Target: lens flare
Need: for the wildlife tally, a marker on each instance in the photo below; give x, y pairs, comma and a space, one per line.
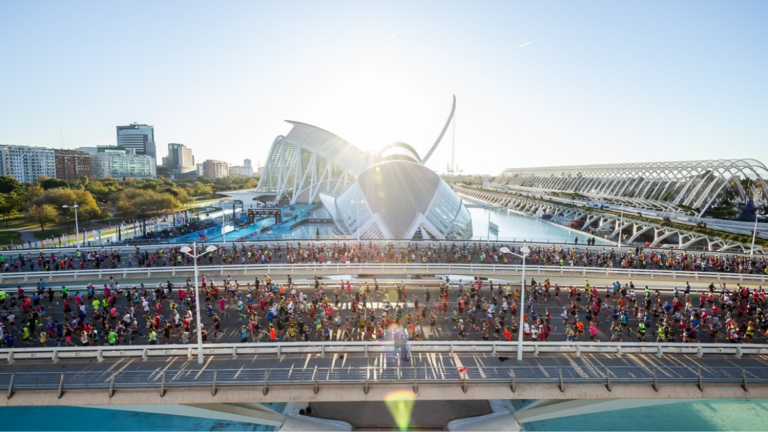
400, 405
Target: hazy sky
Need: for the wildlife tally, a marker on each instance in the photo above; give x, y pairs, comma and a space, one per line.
537, 83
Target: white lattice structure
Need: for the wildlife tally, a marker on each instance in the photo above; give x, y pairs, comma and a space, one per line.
653, 185
632, 231
307, 161
389, 194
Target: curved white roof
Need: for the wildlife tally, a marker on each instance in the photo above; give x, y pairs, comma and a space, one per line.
330, 146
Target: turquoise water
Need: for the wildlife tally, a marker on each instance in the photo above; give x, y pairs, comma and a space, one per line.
703, 415
514, 226
244, 232
95, 419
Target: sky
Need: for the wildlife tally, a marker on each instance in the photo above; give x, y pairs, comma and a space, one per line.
537, 83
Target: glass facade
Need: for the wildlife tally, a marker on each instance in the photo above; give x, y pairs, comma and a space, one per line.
462, 225
445, 205
390, 194
347, 206
402, 197
294, 172
139, 137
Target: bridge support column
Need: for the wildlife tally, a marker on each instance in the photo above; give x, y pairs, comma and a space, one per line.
547, 409
501, 421
253, 413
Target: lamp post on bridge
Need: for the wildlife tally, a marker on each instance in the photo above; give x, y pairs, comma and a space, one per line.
186, 250
754, 234
77, 228
525, 250
621, 222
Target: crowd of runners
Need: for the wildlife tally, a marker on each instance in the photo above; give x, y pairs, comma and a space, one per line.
369, 252
265, 311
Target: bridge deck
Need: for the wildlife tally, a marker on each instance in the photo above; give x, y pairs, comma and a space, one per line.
427, 376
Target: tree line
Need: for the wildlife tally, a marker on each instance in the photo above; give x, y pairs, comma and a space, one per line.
42, 202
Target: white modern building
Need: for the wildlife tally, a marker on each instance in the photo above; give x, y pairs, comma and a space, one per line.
399, 199
26, 163
697, 185
388, 194
307, 161
120, 163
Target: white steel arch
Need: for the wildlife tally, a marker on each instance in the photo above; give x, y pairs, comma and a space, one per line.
653, 185
310, 160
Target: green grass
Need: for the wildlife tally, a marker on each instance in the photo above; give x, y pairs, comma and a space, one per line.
18, 222
50, 232
206, 198
8, 237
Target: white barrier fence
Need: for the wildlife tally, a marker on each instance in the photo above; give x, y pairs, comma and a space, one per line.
374, 348
422, 244
509, 271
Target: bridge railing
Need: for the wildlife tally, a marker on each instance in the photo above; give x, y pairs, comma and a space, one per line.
494, 348
487, 270
371, 375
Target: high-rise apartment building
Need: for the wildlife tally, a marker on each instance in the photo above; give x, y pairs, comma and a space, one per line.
214, 169
25, 163
245, 170
119, 163
71, 165
140, 137
180, 157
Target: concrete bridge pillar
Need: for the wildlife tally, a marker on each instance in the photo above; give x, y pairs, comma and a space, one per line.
547, 409
254, 413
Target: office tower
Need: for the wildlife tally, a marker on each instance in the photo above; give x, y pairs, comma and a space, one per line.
140, 137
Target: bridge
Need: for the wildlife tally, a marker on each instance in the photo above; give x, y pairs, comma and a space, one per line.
628, 227
508, 271
238, 379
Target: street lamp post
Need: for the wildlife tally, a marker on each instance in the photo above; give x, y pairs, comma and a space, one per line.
488, 234
754, 234
77, 228
621, 221
195, 256
525, 250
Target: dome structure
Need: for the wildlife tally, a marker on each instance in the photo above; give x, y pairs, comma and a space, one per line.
399, 151
398, 199
388, 194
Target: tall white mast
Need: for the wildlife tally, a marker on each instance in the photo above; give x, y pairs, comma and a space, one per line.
453, 147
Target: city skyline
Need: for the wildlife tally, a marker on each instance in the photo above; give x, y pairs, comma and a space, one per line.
536, 85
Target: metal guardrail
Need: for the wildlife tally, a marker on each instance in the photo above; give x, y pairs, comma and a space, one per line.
492, 270
374, 348
152, 245
366, 376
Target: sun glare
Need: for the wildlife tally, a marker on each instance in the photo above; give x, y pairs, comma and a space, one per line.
375, 106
